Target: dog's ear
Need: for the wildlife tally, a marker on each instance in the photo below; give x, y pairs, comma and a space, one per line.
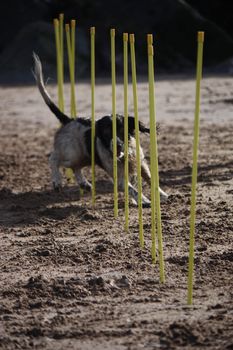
101, 124
142, 127
97, 126
103, 128
131, 125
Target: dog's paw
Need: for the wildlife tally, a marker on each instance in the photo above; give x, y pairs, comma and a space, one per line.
133, 202
86, 186
146, 204
163, 197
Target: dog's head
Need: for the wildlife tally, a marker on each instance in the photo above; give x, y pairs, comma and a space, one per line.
104, 132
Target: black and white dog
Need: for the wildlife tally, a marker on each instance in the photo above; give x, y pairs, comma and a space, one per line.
72, 145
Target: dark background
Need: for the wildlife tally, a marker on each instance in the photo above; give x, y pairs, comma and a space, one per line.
26, 26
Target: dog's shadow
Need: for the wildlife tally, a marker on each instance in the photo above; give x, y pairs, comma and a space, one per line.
207, 174
27, 208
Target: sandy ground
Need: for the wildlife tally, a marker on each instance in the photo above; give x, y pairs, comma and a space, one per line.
71, 278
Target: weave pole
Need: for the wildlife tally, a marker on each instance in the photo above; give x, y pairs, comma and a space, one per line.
114, 126
73, 27
92, 32
69, 172
139, 177
152, 148
71, 70
72, 41
200, 41
61, 36
59, 65
155, 195
126, 141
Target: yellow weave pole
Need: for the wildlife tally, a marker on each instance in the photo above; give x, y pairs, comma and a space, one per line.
71, 70
59, 65
69, 172
126, 141
73, 108
92, 32
114, 126
73, 102
152, 147
200, 40
61, 36
139, 177
155, 195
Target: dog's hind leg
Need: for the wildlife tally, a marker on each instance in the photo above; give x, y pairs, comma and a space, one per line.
81, 180
147, 177
56, 176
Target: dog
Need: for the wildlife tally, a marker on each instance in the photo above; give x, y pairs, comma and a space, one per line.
72, 145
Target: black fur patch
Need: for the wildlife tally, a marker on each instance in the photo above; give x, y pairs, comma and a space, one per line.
84, 121
104, 130
88, 147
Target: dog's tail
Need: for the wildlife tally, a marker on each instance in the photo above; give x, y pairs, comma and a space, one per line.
44, 93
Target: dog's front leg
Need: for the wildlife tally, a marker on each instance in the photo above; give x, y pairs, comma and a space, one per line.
133, 193
81, 180
147, 176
